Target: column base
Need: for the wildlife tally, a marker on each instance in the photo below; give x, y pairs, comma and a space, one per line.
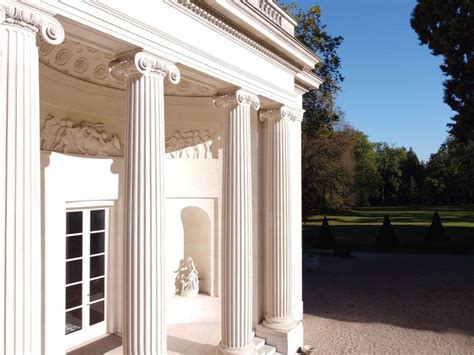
286, 341
224, 350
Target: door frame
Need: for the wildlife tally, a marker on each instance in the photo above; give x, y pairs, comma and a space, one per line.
89, 333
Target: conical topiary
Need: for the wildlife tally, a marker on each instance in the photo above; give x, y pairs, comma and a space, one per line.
436, 231
387, 237
326, 239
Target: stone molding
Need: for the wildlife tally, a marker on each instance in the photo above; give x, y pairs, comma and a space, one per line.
51, 29
281, 113
143, 63
239, 97
207, 13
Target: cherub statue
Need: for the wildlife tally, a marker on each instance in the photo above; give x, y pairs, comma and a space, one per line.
187, 281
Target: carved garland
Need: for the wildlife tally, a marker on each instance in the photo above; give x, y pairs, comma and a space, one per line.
204, 11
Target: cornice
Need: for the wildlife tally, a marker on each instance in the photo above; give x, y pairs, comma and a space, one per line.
211, 16
140, 34
50, 28
239, 97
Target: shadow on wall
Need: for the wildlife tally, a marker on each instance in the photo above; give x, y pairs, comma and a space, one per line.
198, 244
425, 292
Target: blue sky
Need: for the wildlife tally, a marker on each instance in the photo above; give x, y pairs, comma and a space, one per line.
393, 86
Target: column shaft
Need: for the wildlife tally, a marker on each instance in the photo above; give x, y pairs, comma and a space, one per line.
144, 328
278, 244
20, 179
237, 225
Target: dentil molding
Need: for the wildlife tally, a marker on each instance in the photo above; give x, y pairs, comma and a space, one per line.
199, 8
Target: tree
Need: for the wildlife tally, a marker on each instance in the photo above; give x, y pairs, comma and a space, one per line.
447, 27
450, 173
367, 179
327, 172
326, 169
412, 178
321, 111
389, 161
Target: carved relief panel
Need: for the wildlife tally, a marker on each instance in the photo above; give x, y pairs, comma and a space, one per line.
193, 144
85, 138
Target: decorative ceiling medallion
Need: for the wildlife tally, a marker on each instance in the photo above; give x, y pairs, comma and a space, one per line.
81, 65
63, 56
81, 61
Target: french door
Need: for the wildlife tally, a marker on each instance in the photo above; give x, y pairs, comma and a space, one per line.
86, 274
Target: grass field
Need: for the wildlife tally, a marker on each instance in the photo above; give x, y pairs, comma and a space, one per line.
358, 228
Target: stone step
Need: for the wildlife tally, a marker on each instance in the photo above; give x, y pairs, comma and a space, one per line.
259, 342
262, 348
266, 350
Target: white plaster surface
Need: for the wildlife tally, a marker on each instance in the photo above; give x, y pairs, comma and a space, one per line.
215, 59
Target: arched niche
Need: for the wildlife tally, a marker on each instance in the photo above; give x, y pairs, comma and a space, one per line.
198, 244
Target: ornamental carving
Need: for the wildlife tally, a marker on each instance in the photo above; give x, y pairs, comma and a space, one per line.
51, 29
144, 63
100, 72
86, 138
201, 9
81, 65
239, 97
193, 144
76, 59
63, 56
281, 113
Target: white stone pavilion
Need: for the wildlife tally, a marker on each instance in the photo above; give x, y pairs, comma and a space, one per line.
135, 136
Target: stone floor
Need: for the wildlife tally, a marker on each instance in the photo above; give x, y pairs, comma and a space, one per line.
186, 339
369, 304
377, 303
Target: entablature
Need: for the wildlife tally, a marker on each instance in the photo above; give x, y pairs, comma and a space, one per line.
250, 62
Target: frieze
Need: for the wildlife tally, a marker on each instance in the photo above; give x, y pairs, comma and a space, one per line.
194, 144
62, 135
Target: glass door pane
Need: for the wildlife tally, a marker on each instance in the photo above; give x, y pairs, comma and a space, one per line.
97, 266
86, 270
74, 271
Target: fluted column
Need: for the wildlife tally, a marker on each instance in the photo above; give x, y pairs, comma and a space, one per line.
278, 228
20, 192
144, 328
237, 224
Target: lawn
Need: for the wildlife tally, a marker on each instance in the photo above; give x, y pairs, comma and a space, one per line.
359, 227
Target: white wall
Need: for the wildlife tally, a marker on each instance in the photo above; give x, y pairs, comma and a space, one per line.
73, 181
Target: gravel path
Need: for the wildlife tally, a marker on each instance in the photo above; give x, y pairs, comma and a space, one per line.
391, 304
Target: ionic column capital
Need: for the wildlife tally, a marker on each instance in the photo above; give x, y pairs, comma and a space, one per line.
143, 63
51, 29
282, 112
239, 97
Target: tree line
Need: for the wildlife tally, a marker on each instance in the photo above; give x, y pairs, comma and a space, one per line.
341, 168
